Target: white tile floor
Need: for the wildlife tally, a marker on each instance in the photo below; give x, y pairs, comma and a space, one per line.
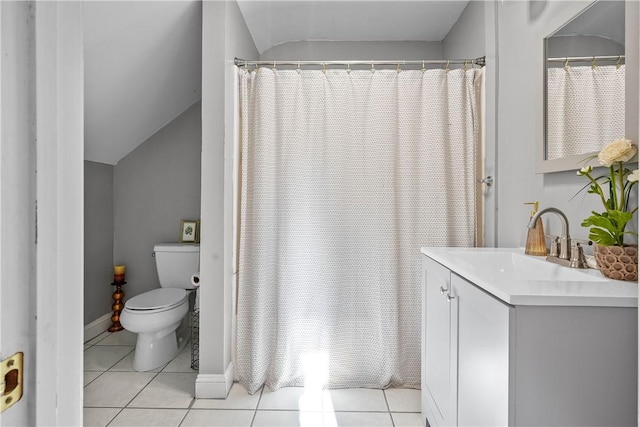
115, 395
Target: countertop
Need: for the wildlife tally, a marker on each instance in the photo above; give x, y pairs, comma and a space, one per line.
586, 287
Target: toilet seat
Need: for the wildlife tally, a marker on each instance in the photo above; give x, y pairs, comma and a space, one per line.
157, 300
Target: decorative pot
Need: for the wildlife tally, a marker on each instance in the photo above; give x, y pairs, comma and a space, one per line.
617, 262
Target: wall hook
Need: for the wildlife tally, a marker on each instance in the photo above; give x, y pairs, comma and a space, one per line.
488, 180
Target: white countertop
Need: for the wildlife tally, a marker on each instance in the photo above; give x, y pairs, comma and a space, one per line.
519, 279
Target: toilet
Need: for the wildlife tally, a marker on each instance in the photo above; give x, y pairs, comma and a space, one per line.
156, 315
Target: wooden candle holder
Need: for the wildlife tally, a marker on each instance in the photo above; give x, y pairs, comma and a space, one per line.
118, 305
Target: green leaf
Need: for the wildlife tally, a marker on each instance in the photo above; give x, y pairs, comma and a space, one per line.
599, 221
601, 237
620, 217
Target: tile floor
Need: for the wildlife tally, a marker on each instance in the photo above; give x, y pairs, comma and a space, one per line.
115, 395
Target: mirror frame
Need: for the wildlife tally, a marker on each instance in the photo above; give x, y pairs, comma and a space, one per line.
550, 25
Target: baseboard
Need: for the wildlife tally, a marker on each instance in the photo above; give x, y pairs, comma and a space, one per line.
214, 386
98, 326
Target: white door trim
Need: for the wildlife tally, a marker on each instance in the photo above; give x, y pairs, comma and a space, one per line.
60, 220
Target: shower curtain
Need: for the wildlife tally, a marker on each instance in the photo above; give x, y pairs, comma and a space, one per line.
345, 174
585, 108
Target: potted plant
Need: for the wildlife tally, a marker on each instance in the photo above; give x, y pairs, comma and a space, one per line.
607, 229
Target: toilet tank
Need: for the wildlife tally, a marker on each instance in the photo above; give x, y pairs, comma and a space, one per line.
176, 263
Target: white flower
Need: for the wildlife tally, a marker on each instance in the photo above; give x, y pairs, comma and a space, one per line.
633, 176
585, 170
620, 150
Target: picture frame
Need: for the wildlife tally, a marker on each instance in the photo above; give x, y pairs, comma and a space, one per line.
189, 231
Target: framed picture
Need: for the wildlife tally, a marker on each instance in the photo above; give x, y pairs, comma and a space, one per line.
189, 231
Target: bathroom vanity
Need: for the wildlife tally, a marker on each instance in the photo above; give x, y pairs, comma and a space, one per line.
510, 339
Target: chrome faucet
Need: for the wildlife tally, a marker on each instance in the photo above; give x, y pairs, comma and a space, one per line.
565, 240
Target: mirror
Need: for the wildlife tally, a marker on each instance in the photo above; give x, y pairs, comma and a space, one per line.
584, 85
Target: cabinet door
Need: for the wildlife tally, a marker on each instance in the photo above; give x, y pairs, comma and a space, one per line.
439, 345
483, 356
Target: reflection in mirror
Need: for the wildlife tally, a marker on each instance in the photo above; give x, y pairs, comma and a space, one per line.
585, 82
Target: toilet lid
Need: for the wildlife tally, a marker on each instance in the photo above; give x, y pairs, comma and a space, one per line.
157, 298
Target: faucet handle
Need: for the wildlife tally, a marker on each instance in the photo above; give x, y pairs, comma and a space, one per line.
554, 249
580, 242
578, 259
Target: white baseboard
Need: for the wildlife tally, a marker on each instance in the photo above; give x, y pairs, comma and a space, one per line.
98, 326
214, 386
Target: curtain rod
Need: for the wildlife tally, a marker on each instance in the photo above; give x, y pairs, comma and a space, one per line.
587, 58
477, 61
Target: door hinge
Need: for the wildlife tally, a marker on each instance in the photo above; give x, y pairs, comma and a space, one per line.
11, 380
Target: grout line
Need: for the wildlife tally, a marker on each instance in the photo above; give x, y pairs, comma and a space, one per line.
141, 390
384, 393
255, 412
120, 360
185, 415
96, 337
114, 417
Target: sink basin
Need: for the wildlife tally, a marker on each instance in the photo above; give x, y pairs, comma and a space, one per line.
524, 267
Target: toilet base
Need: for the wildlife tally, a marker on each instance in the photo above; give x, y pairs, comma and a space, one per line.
153, 352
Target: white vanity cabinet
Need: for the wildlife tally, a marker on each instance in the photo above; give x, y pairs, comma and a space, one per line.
465, 352
486, 362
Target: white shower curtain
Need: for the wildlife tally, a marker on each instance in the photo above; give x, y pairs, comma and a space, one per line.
345, 175
585, 109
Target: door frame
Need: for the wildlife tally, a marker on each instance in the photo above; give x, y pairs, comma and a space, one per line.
60, 212
42, 170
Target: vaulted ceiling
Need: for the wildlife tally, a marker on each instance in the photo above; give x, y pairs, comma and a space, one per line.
275, 22
143, 58
142, 69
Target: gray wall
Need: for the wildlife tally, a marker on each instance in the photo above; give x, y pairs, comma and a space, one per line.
98, 240
156, 186
338, 50
466, 39
519, 103
473, 36
225, 36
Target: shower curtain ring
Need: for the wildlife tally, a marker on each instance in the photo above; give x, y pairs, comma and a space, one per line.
566, 64
618, 62
324, 68
593, 63
274, 66
423, 69
465, 65
348, 68
298, 67
373, 70
398, 68
446, 68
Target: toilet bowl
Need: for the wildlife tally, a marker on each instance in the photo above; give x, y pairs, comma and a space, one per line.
156, 315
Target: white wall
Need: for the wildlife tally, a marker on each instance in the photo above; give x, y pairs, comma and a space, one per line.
225, 36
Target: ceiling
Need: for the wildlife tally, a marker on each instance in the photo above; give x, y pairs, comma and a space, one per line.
603, 19
143, 58
142, 69
275, 22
